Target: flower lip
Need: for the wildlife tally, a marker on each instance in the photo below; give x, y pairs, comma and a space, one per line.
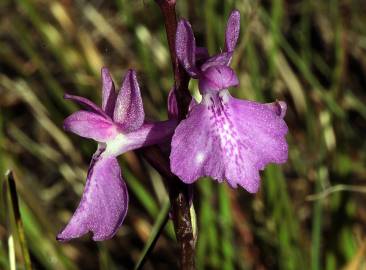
217, 78
229, 140
104, 203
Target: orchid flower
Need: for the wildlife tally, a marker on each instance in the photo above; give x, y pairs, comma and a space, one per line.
224, 137
118, 127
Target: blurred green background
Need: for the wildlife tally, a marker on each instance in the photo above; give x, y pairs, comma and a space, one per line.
309, 214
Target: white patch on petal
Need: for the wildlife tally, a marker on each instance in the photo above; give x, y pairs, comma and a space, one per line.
224, 95
114, 146
199, 157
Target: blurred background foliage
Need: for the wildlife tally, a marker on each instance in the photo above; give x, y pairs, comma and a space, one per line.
309, 214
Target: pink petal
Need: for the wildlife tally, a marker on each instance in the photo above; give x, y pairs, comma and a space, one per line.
222, 59
91, 125
232, 31
103, 205
86, 103
279, 107
185, 47
227, 138
265, 131
147, 134
129, 111
172, 105
108, 93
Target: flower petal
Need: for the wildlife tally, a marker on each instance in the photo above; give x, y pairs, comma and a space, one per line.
279, 107
91, 125
172, 105
222, 59
129, 111
232, 31
147, 134
227, 138
194, 150
185, 47
108, 92
103, 205
217, 78
86, 103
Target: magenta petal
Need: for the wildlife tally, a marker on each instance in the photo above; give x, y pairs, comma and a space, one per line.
103, 205
172, 105
129, 111
86, 103
217, 78
185, 47
263, 132
152, 133
195, 152
279, 107
108, 93
91, 125
222, 59
147, 134
232, 31
227, 138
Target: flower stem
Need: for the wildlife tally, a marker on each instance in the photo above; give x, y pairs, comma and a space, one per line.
178, 191
181, 78
179, 199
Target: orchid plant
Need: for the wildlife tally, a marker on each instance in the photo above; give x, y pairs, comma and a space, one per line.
222, 137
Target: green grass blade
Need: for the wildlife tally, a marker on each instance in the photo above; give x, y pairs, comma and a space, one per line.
208, 251
18, 220
317, 224
142, 194
227, 228
157, 229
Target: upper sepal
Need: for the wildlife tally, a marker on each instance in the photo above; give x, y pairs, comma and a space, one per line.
185, 47
103, 205
89, 105
232, 31
91, 125
108, 92
129, 110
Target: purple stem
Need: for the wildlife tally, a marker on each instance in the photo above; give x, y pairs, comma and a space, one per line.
181, 78
178, 191
179, 199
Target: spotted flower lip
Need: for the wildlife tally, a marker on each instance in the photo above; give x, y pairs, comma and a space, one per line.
118, 126
223, 137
